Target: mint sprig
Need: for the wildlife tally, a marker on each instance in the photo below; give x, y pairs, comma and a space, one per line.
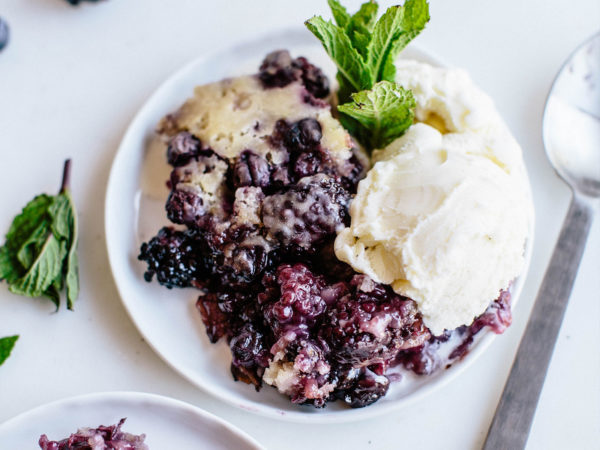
39, 257
364, 50
379, 115
6, 346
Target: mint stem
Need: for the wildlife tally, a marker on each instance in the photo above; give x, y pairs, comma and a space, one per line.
66, 179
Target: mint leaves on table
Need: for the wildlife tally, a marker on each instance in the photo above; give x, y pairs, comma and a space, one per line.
383, 113
39, 257
6, 346
364, 50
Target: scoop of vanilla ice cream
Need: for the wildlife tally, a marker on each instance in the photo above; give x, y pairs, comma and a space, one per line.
444, 213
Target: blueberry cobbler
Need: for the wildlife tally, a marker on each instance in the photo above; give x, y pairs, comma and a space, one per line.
101, 438
308, 265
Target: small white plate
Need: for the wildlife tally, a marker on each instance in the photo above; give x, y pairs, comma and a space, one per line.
168, 319
167, 423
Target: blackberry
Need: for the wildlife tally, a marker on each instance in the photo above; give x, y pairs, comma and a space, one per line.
171, 256
306, 214
182, 147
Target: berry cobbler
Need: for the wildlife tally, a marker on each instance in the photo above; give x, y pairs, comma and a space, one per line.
262, 182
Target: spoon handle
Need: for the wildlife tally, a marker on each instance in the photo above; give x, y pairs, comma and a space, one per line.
514, 415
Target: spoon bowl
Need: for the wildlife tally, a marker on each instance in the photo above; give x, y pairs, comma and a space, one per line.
571, 126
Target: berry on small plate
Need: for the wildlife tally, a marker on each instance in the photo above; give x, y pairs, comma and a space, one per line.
150, 420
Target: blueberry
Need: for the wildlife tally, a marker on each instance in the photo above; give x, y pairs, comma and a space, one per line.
313, 78
251, 170
279, 69
184, 207
303, 135
367, 389
4, 33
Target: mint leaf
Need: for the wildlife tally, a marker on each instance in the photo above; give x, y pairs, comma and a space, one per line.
363, 48
364, 19
378, 116
6, 346
61, 214
34, 213
393, 31
53, 292
361, 25
31, 247
72, 263
28, 222
341, 16
338, 46
39, 257
44, 270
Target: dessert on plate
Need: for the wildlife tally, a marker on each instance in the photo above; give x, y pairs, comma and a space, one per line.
331, 253
101, 438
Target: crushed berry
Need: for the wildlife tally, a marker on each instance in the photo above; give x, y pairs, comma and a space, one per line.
372, 323
424, 359
103, 437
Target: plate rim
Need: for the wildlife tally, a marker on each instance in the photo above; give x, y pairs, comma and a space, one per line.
129, 397
345, 416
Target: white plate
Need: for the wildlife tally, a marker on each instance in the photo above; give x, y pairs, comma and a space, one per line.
167, 423
168, 318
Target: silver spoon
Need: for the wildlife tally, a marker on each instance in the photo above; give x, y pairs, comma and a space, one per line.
571, 132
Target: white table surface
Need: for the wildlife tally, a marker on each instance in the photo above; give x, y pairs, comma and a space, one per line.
72, 79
